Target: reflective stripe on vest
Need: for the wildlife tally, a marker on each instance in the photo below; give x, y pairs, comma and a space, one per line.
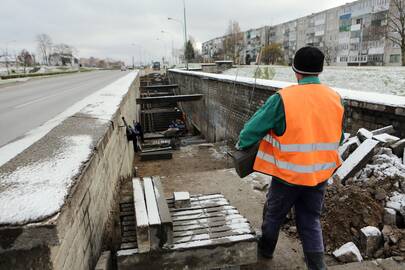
294, 167
310, 147
306, 153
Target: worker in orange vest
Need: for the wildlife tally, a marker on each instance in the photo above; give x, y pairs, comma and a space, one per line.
300, 128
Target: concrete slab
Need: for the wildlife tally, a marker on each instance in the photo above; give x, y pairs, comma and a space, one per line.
356, 160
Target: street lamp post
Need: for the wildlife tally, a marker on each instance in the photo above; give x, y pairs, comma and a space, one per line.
184, 22
185, 33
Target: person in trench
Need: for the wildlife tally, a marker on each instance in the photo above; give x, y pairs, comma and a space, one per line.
299, 129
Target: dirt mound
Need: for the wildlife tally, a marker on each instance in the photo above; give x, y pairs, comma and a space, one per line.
348, 209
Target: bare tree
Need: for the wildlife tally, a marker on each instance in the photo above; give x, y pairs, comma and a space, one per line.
44, 46
233, 41
63, 48
396, 25
25, 58
330, 51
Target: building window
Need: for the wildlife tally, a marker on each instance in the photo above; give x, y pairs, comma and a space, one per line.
394, 58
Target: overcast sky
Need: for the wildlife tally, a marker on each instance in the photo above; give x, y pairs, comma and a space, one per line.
121, 28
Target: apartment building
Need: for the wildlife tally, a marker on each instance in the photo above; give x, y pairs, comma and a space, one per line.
253, 40
213, 49
351, 34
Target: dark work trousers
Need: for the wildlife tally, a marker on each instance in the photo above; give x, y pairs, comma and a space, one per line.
308, 202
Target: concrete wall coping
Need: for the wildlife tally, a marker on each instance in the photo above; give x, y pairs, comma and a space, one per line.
35, 184
352, 95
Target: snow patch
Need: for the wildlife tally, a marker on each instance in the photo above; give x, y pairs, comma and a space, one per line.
38, 190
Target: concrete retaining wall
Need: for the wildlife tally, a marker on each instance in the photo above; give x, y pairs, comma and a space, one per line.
229, 103
73, 237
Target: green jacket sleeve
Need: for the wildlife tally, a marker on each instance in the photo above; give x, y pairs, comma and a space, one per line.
270, 116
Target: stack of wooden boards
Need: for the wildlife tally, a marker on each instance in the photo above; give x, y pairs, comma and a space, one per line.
200, 231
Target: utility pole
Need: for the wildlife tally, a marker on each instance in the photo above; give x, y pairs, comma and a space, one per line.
185, 34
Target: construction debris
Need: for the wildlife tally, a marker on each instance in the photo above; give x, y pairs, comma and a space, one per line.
348, 253
181, 199
390, 216
363, 134
370, 240
398, 148
366, 205
357, 160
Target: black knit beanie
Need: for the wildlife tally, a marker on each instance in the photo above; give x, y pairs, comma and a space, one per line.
308, 61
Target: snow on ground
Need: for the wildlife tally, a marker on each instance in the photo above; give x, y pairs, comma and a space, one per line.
38, 190
387, 80
101, 104
372, 97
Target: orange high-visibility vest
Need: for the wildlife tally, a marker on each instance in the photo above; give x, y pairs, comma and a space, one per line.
306, 154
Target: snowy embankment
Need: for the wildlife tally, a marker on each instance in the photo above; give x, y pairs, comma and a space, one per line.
38, 189
371, 97
385, 80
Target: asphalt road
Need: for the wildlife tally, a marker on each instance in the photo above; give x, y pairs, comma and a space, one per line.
28, 105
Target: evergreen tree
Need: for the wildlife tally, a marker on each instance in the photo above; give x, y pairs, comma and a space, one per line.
190, 54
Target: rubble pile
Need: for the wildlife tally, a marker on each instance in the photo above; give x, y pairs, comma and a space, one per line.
364, 210
365, 203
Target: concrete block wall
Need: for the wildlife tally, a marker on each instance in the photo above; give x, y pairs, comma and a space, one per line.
227, 105
73, 238
84, 218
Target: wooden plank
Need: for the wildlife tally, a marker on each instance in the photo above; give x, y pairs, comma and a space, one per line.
200, 197
128, 245
141, 214
238, 250
213, 242
128, 239
175, 98
212, 224
153, 213
205, 220
181, 199
203, 210
199, 216
210, 229
160, 155
201, 205
164, 213
157, 149
212, 235
153, 136
160, 86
